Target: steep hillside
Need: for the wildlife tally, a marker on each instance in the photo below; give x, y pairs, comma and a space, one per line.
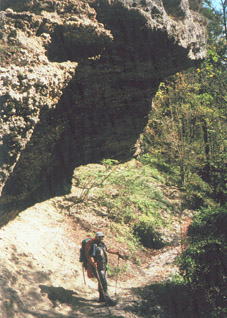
40, 272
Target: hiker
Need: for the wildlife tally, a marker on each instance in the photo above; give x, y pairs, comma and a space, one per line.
98, 260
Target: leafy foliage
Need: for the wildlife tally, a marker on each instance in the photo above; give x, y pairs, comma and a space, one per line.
203, 264
187, 129
187, 126
131, 194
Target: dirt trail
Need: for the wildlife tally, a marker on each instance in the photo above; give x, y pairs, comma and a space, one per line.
42, 277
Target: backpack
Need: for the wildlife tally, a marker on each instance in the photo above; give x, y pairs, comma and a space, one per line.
84, 251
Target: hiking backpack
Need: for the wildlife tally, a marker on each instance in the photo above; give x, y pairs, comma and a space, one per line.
84, 251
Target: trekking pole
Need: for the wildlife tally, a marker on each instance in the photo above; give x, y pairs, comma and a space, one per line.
100, 283
117, 275
83, 275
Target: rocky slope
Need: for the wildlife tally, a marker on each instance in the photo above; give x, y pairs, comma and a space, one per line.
77, 80
41, 275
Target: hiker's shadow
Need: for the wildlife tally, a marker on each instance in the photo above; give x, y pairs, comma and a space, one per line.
62, 295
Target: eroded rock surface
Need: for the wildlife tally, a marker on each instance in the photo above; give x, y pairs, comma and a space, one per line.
77, 80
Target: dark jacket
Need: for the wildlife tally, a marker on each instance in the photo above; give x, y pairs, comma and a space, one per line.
98, 251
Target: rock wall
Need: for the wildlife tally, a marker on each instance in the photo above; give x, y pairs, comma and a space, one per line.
77, 80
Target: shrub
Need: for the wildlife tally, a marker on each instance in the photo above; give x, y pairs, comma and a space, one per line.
203, 264
198, 192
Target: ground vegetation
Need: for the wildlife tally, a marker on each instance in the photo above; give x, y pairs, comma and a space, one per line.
187, 129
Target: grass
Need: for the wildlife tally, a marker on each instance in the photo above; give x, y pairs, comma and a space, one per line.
136, 195
115, 271
138, 201
131, 193
124, 235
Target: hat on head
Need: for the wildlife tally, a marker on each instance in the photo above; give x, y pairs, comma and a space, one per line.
99, 234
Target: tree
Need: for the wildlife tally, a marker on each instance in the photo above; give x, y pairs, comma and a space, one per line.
188, 121
203, 263
224, 12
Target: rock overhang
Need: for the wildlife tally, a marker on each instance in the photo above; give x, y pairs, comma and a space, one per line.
81, 85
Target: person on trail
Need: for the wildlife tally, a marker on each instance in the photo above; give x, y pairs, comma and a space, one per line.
98, 259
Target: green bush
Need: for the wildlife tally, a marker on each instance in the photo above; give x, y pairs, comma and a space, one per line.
132, 190
204, 263
209, 224
198, 192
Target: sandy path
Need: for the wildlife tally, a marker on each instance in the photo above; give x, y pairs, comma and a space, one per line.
42, 277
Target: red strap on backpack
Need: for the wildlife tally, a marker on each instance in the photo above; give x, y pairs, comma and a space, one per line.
87, 250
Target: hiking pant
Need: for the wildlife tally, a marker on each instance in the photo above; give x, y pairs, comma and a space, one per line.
102, 284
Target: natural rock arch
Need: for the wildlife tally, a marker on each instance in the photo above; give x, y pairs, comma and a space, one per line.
95, 105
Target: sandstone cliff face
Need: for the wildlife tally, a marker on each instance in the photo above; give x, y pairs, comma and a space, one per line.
77, 80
